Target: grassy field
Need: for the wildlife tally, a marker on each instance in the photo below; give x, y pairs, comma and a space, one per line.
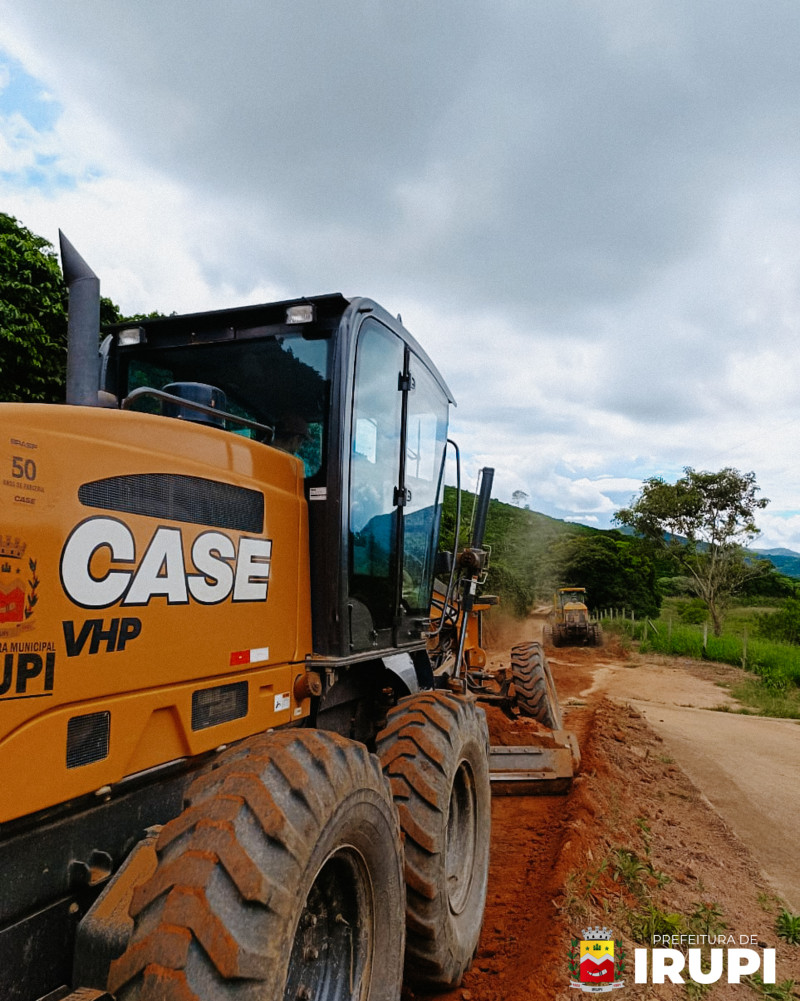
773, 688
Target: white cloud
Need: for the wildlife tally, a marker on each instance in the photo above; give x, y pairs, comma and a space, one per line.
778, 531
588, 213
21, 146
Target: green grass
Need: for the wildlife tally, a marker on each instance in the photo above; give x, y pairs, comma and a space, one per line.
783, 991
754, 694
787, 925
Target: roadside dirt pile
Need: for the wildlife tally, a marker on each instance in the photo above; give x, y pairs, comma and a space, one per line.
646, 855
520, 732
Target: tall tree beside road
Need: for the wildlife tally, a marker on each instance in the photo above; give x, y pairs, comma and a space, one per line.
702, 520
33, 317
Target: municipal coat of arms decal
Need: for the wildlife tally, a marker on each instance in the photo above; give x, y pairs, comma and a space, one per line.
596, 961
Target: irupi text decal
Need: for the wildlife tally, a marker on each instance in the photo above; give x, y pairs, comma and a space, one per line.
703, 959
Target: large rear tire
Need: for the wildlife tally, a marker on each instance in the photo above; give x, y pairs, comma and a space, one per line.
282, 879
435, 752
534, 686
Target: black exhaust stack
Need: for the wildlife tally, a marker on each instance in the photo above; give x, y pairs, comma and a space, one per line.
472, 562
83, 326
485, 495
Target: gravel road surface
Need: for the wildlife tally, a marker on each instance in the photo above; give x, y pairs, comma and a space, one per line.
747, 767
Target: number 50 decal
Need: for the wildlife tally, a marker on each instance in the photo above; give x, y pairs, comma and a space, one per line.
23, 469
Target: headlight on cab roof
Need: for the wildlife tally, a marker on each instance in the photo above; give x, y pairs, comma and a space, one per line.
301, 313
130, 335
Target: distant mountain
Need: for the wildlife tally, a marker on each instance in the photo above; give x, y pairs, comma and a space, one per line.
785, 561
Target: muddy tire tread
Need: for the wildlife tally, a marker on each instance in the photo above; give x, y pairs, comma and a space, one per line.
425, 738
535, 690
203, 917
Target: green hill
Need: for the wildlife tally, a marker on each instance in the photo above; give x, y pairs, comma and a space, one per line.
533, 554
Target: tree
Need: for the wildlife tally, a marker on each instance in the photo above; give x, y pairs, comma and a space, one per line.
33, 317
702, 520
616, 572
518, 497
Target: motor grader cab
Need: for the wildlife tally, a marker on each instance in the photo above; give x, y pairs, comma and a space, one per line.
227, 725
569, 621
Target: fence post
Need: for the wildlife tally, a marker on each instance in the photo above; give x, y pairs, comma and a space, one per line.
705, 636
744, 651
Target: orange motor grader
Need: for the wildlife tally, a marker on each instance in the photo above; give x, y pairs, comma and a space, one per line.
240, 757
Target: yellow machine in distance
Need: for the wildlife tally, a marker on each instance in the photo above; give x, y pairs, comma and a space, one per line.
569, 622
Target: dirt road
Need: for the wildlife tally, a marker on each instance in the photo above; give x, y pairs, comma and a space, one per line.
746, 766
556, 860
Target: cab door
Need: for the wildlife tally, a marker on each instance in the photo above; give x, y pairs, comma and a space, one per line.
376, 437
398, 432
425, 436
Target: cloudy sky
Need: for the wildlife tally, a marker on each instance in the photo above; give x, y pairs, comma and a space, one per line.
587, 211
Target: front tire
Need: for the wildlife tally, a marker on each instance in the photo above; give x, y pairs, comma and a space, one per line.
282, 879
534, 686
435, 753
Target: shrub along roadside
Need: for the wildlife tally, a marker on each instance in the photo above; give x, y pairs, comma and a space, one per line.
783, 624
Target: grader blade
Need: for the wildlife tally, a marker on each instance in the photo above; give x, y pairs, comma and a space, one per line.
533, 770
